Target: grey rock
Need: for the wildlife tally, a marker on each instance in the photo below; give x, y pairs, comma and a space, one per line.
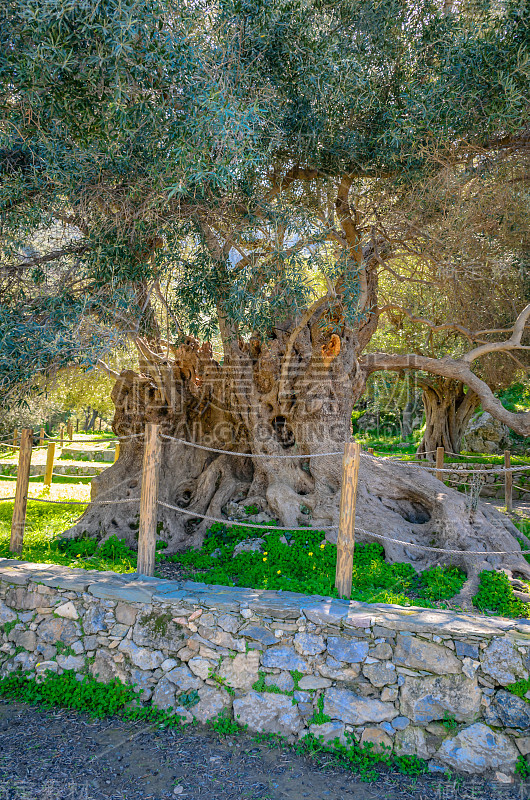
346, 675
513, 711
283, 681
25, 660
46, 666
411, 741
477, 749
47, 651
118, 631
67, 610
184, 679
313, 682
352, 709
285, 607
142, 680
281, 657
387, 727
485, 434
464, 649
262, 635
141, 657
268, 713
400, 723
57, 629
249, 546
240, 672
383, 651
229, 623
168, 664
502, 661
94, 619
308, 644
201, 667
382, 673
71, 662
415, 653
164, 694
116, 590
378, 739
212, 702
6, 614
425, 699
347, 650
328, 612
158, 630
302, 697
24, 638
234, 511
306, 710
23, 599
125, 614
105, 668
329, 732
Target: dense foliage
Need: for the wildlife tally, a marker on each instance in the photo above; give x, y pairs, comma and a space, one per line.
138, 137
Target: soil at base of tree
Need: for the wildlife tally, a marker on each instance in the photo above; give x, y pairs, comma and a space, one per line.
61, 755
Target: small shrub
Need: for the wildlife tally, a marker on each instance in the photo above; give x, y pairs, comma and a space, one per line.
224, 725
495, 594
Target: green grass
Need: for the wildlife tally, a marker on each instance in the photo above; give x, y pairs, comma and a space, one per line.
307, 564
42, 543
85, 479
101, 700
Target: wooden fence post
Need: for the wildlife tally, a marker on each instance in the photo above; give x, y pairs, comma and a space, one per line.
18, 520
61, 434
50, 456
346, 537
15, 437
370, 451
508, 482
149, 501
440, 451
41, 436
70, 429
116, 452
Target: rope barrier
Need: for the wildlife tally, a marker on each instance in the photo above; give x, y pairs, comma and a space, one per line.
412, 464
360, 530
79, 502
248, 455
240, 524
87, 502
444, 550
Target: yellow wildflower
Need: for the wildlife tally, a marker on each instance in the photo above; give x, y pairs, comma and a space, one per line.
279, 572
310, 554
264, 559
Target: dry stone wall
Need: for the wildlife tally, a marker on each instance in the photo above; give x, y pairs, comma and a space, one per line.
429, 683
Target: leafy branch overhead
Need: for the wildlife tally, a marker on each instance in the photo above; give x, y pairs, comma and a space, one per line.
183, 168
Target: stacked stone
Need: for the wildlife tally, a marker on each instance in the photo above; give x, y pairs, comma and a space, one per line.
421, 682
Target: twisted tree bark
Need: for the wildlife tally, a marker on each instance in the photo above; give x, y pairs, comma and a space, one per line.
290, 395
448, 409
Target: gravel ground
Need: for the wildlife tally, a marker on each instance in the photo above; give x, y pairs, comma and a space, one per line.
60, 755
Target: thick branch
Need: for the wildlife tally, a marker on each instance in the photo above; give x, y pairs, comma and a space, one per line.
458, 370
513, 343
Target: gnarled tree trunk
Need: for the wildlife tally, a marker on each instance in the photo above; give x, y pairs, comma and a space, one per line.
448, 409
290, 395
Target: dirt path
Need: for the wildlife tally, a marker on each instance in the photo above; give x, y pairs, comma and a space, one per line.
59, 755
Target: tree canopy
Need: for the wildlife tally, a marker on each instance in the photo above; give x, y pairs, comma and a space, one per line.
224, 161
